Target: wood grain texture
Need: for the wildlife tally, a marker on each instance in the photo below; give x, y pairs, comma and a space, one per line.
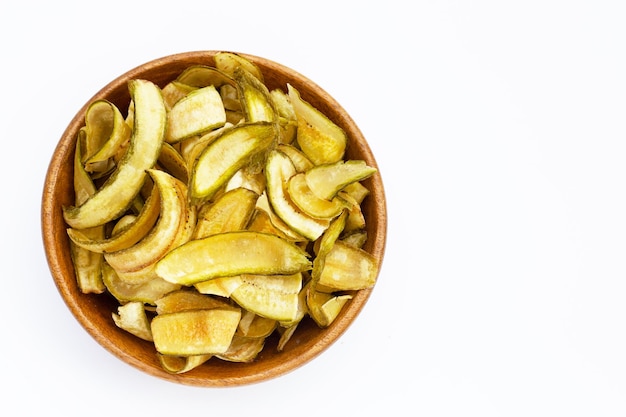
94, 311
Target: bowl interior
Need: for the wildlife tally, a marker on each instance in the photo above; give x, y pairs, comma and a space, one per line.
94, 311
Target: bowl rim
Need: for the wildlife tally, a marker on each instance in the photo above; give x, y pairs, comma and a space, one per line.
54, 241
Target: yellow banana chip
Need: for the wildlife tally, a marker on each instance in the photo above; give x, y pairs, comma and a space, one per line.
132, 318
199, 111
347, 268
319, 138
116, 195
87, 264
162, 237
195, 332
232, 253
223, 157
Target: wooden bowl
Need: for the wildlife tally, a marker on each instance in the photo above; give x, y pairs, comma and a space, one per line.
94, 311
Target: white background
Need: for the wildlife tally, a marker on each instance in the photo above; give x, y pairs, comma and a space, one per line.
499, 128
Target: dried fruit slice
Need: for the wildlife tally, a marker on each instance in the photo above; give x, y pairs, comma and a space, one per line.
261, 222
347, 268
87, 264
182, 300
199, 111
173, 162
105, 128
279, 169
323, 307
274, 305
181, 364
325, 244
356, 191
319, 138
146, 292
229, 254
195, 332
286, 116
311, 204
173, 212
300, 161
118, 192
285, 335
243, 349
356, 238
202, 76
302, 308
223, 157
253, 325
88, 269
132, 318
230, 212
272, 297
228, 62
255, 97
325, 181
232, 104
266, 220
175, 91
356, 218
191, 148
124, 236
147, 272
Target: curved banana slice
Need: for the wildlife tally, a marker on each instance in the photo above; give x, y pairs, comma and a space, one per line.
325, 307
230, 212
300, 161
173, 162
147, 273
319, 138
232, 253
222, 286
199, 76
104, 119
325, 181
118, 192
183, 300
195, 332
87, 264
255, 97
279, 170
175, 91
231, 151
163, 235
253, 325
132, 318
146, 292
128, 235
181, 364
228, 62
311, 204
243, 349
347, 268
266, 220
199, 111
273, 297
286, 116
325, 244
